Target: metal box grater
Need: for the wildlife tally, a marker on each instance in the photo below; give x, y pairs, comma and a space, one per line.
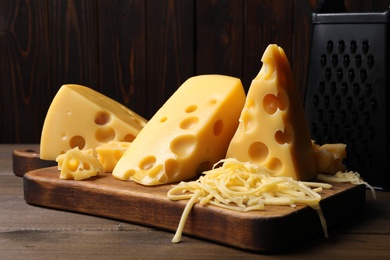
346, 98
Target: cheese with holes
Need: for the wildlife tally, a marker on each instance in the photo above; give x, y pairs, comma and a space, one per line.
273, 130
82, 117
78, 165
109, 154
330, 157
188, 134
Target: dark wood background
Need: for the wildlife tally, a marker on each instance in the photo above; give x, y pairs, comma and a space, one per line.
139, 52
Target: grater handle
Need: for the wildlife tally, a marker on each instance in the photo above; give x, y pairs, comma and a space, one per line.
330, 6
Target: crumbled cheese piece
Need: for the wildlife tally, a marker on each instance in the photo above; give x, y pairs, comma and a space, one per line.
78, 165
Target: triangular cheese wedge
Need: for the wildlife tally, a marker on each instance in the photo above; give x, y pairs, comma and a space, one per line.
188, 134
273, 131
82, 117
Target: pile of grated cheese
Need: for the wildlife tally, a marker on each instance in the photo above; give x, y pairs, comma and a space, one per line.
245, 186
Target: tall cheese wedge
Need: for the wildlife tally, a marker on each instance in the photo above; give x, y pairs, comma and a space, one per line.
82, 117
273, 131
187, 135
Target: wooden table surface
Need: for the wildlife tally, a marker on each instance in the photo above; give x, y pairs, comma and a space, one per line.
31, 232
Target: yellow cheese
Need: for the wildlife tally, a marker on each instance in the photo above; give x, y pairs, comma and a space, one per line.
82, 117
273, 130
188, 134
109, 154
78, 165
329, 157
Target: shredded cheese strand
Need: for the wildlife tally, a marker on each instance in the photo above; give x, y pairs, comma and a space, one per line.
183, 219
322, 219
350, 176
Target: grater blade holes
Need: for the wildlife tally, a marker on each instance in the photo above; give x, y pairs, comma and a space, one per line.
329, 46
344, 88
363, 75
341, 46
370, 61
353, 46
335, 60
351, 75
365, 46
332, 88
356, 89
346, 60
337, 102
374, 103
323, 60
358, 61
368, 89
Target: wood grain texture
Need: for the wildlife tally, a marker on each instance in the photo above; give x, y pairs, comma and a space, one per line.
73, 43
266, 22
24, 63
122, 52
170, 45
274, 229
219, 37
139, 52
301, 43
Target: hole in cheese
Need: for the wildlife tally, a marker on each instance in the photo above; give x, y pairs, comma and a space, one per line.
77, 141
104, 134
157, 172
117, 154
163, 119
285, 137
189, 122
183, 145
250, 104
191, 108
275, 165
73, 164
271, 102
128, 173
218, 127
86, 166
129, 138
258, 152
147, 162
248, 121
213, 101
171, 167
102, 118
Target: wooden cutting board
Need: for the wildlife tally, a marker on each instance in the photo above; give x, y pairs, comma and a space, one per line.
274, 229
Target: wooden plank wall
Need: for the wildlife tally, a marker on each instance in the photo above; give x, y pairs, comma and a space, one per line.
138, 52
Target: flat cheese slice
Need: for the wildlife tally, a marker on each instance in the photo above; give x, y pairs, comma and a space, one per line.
82, 117
188, 134
273, 130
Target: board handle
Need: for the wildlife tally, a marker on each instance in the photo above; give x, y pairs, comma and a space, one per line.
25, 160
